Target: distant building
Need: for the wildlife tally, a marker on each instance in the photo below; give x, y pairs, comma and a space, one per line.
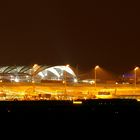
127, 78
36, 73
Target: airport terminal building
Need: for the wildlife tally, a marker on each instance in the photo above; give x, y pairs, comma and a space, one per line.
36, 73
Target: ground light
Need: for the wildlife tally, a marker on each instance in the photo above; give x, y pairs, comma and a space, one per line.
77, 102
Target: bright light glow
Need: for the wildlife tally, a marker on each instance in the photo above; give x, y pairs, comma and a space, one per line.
77, 102
97, 67
46, 74
75, 80
136, 68
85, 81
35, 65
92, 82
89, 81
17, 79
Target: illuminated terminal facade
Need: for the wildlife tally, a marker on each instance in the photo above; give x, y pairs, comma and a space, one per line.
36, 73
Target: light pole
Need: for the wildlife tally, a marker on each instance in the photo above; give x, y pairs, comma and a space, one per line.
34, 69
95, 70
136, 76
65, 79
116, 88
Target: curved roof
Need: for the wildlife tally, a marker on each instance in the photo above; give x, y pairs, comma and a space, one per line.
38, 70
58, 71
15, 69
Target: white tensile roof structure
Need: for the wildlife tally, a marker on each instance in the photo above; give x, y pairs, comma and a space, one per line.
38, 72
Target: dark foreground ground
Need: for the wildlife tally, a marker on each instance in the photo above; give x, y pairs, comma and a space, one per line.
50, 119
89, 110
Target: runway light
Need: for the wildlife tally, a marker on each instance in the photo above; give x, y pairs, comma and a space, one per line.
77, 102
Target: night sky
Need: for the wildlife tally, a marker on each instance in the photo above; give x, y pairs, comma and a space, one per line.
76, 32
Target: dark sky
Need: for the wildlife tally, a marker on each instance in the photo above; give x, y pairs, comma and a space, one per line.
75, 32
